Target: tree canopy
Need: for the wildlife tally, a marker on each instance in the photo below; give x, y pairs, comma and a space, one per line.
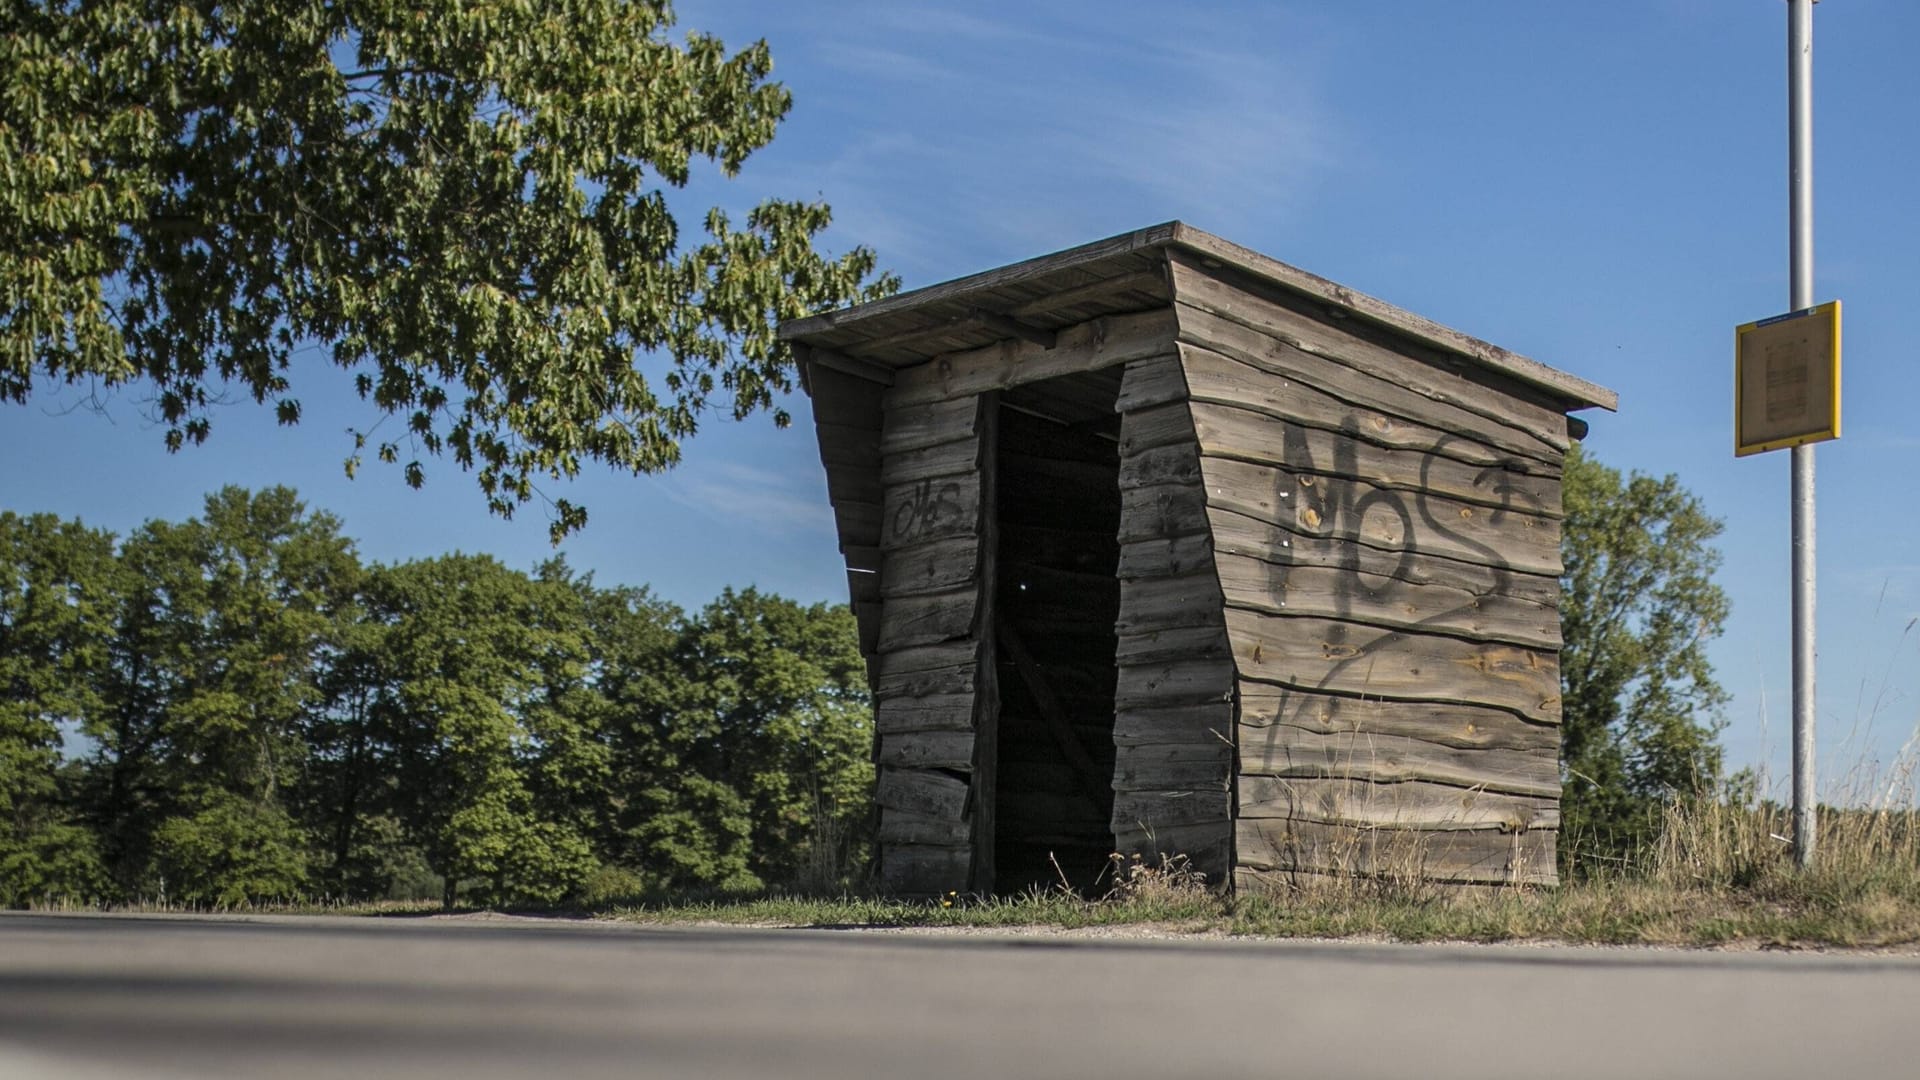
1639, 605
462, 204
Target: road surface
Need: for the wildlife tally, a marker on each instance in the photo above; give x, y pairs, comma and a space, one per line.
166, 997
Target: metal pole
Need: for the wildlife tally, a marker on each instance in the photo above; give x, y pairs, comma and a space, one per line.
1800, 255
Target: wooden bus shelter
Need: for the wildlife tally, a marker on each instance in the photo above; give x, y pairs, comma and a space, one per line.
1158, 545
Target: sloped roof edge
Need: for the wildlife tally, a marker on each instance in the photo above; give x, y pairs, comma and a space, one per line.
1578, 393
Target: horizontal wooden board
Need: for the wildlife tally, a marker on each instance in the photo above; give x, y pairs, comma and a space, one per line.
1257, 585
1154, 381
1408, 804
927, 510
1242, 535
937, 566
1142, 811
1220, 379
1176, 463
1277, 357
920, 870
1227, 431
927, 749
1466, 727
1495, 858
1466, 388
1174, 724
1207, 847
931, 712
1159, 425
1324, 654
1175, 682
1200, 766
1166, 556
1166, 603
921, 791
907, 428
941, 459
907, 827
1088, 346
1162, 511
1388, 520
898, 668
907, 621
1178, 644
1294, 753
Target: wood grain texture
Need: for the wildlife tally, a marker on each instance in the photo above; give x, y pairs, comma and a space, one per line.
1145, 811
1204, 765
1161, 512
1256, 585
908, 621
1089, 346
1350, 510
1161, 425
904, 827
1465, 727
1278, 357
1347, 658
1150, 382
1407, 804
923, 712
1245, 435
1244, 301
1169, 603
1218, 379
921, 791
1294, 753
924, 870
927, 749
915, 427
1158, 725
933, 567
1266, 849
928, 510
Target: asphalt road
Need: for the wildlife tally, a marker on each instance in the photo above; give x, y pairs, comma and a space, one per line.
94, 996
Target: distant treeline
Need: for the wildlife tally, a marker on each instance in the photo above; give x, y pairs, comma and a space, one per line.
238, 708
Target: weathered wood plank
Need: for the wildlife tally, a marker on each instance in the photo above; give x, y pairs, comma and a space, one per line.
1178, 463
1270, 354
1325, 654
1167, 603
1407, 804
1207, 846
984, 771
1160, 425
929, 510
929, 568
1237, 534
1146, 811
1465, 727
1153, 381
908, 621
927, 712
1176, 644
1293, 753
1219, 379
1197, 766
1255, 585
907, 827
939, 460
1148, 725
918, 870
843, 399
1162, 511
1089, 346
844, 444
927, 750
921, 791
1269, 846
1166, 557
1389, 520
915, 427
1226, 431
1245, 302
1174, 682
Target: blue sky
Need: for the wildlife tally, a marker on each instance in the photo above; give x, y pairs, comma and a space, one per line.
1599, 186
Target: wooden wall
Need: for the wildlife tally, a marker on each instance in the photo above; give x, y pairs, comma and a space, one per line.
1173, 720
1385, 526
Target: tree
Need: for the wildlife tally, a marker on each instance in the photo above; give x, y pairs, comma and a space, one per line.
58, 602
1641, 706
463, 204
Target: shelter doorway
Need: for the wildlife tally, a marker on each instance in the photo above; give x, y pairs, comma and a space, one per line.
1056, 600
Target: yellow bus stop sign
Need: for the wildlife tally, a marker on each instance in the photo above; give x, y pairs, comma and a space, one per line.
1786, 380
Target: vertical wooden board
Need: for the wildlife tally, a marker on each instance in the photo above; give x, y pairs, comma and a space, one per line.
985, 778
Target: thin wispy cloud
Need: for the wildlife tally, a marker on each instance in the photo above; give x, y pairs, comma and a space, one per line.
734, 495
